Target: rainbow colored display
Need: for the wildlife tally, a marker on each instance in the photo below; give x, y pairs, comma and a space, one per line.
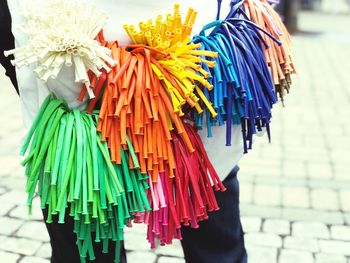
134, 155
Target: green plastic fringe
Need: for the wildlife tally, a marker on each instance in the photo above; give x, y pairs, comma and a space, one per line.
69, 167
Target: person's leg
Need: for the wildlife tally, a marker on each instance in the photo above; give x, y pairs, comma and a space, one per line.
64, 248
6, 43
62, 239
220, 238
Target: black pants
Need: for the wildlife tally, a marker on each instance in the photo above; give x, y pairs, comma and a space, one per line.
219, 239
64, 248
7, 42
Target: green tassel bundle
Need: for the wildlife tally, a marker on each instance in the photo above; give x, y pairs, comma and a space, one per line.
69, 167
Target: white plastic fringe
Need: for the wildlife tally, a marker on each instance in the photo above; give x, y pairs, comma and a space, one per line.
62, 32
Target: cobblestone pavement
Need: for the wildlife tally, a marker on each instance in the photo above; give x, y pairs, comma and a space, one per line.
295, 192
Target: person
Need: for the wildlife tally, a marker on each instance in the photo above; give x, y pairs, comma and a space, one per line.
7, 42
219, 239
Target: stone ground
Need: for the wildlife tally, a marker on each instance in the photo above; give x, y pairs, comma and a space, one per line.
295, 192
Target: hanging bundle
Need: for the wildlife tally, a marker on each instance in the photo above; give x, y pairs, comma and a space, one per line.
143, 98
71, 168
63, 35
278, 56
185, 198
180, 70
243, 83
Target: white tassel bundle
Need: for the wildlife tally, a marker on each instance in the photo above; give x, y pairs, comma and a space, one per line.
62, 32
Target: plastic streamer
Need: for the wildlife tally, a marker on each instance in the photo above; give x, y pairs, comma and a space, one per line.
186, 198
244, 76
277, 56
145, 94
243, 83
71, 168
143, 98
59, 37
180, 70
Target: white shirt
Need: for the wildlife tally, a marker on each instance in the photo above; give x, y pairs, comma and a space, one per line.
33, 91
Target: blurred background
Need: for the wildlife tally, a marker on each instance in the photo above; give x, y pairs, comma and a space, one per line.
295, 191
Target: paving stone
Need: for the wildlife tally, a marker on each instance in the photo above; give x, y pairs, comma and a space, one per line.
324, 199
339, 156
295, 197
328, 258
281, 181
174, 250
170, 260
20, 245
258, 254
270, 171
34, 260
260, 211
277, 226
341, 172
23, 213
18, 172
319, 170
259, 163
144, 257
136, 242
310, 215
13, 183
300, 155
5, 208
340, 232
15, 197
2, 190
9, 225
294, 169
344, 199
335, 247
44, 251
267, 195
301, 243
263, 239
347, 218
294, 256
8, 163
251, 224
34, 230
8, 257
136, 229
341, 176
310, 229
246, 193
334, 185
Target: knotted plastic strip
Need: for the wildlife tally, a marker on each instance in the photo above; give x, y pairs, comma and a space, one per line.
69, 167
145, 94
144, 97
61, 33
164, 34
243, 84
186, 198
183, 60
278, 57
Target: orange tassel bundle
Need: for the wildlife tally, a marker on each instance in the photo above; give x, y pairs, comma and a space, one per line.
278, 57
